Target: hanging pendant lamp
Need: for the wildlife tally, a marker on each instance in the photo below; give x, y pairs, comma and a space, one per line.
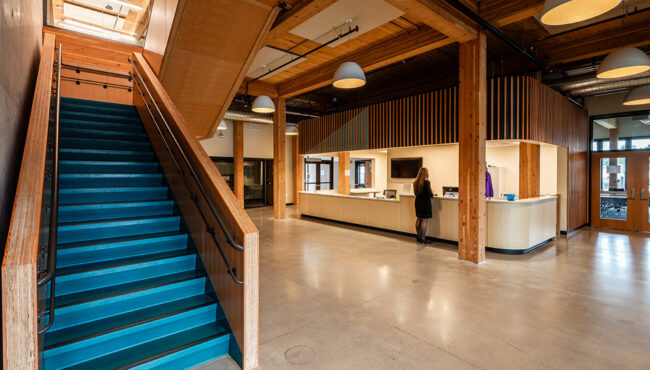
349, 76
638, 96
291, 130
561, 12
624, 62
263, 104
222, 125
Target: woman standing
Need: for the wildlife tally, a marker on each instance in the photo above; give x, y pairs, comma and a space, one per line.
423, 195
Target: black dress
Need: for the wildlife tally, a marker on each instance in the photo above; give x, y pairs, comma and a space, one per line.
423, 201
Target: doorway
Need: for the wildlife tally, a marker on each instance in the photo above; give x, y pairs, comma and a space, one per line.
319, 174
620, 184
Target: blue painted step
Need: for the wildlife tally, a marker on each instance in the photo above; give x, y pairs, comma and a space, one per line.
112, 195
111, 276
70, 233
95, 104
105, 155
190, 356
102, 135
107, 167
109, 211
97, 109
179, 327
85, 143
89, 116
93, 125
94, 180
86, 254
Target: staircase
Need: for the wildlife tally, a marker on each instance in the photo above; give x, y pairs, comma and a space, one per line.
131, 290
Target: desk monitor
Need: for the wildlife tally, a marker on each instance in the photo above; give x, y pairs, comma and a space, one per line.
390, 194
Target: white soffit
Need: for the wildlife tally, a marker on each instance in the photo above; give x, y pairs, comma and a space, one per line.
92, 16
269, 58
367, 14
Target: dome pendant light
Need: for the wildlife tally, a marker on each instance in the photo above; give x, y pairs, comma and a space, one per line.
291, 129
561, 12
349, 76
223, 125
638, 96
263, 104
624, 62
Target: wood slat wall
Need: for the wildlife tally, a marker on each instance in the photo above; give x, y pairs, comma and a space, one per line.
518, 108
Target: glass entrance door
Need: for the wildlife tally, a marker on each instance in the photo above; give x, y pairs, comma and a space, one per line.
620, 189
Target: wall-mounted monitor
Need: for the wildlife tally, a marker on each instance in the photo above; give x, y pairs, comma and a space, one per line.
405, 168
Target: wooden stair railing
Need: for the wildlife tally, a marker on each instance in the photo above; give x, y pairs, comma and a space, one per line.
167, 128
20, 297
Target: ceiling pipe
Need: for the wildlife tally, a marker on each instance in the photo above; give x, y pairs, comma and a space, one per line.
250, 117
609, 86
589, 82
478, 19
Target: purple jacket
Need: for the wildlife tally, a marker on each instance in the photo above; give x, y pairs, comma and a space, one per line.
489, 191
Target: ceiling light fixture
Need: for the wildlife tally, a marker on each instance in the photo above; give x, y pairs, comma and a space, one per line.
349, 76
638, 96
127, 4
623, 63
222, 125
561, 12
263, 104
291, 129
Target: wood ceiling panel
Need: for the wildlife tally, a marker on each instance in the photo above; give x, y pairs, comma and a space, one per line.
205, 61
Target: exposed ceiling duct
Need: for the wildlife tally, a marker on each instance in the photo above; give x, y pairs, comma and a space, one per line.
610, 86
581, 84
251, 117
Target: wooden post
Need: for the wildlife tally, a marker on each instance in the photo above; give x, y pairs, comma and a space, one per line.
279, 163
297, 171
472, 131
528, 170
344, 173
238, 159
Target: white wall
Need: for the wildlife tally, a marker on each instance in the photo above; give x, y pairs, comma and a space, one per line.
507, 157
441, 160
258, 143
548, 169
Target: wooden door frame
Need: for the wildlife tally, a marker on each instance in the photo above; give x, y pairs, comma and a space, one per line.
596, 221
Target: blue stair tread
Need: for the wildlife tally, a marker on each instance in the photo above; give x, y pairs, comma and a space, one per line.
102, 326
113, 111
121, 262
95, 103
111, 211
89, 167
96, 180
154, 348
104, 154
76, 298
115, 240
90, 133
88, 231
102, 126
91, 143
91, 116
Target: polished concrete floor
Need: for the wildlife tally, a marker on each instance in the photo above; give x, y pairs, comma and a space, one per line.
341, 297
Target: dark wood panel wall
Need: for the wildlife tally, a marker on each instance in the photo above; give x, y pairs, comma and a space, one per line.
518, 108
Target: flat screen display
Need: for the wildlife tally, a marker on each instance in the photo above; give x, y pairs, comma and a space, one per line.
405, 168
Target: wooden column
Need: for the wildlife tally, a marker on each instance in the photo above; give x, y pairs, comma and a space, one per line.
297, 171
238, 158
344, 173
528, 170
472, 130
279, 163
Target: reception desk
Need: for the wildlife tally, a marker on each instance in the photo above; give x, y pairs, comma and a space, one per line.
512, 226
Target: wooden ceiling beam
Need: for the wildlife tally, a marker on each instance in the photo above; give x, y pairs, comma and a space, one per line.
504, 12
596, 40
375, 56
438, 16
257, 88
290, 19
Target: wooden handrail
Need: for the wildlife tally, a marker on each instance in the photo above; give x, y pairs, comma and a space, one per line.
19, 266
240, 302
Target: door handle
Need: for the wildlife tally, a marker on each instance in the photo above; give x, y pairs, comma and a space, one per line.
632, 194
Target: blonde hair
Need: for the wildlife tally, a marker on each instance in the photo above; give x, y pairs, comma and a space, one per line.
418, 184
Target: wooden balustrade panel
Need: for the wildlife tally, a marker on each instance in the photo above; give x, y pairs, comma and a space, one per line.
19, 266
240, 302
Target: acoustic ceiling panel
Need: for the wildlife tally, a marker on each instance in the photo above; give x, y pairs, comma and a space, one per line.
268, 59
367, 14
